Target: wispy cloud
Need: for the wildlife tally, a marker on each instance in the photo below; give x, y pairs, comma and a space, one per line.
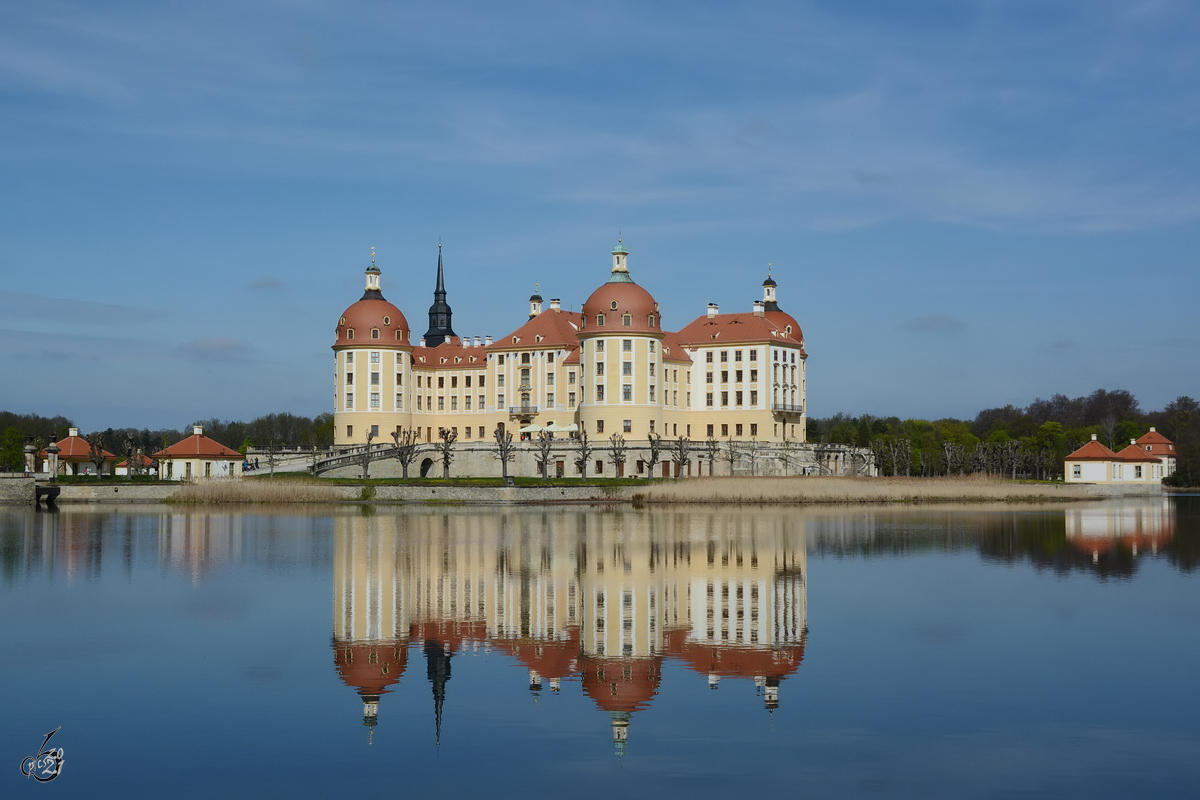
934, 324
16, 305
218, 348
267, 285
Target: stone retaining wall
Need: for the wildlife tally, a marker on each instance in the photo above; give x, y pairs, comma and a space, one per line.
16, 490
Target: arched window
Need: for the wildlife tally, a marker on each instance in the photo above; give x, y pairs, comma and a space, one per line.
627, 320
650, 321
350, 333
600, 320
374, 333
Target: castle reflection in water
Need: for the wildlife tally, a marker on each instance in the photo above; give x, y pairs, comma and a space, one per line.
601, 598
585, 599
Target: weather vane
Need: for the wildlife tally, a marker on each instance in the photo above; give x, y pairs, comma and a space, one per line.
372, 255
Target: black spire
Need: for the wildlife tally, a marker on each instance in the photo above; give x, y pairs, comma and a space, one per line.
437, 668
439, 313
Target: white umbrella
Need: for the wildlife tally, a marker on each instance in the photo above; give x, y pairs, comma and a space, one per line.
530, 429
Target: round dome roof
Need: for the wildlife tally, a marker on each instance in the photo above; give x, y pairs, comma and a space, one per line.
624, 307
617, 684
370, 322
785, 320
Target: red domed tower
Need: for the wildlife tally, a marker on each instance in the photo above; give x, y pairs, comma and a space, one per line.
372, 365
621, 357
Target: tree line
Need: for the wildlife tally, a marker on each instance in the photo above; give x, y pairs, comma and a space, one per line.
1009, 441
269, 430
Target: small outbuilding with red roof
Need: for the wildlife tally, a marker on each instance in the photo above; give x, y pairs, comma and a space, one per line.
196, 457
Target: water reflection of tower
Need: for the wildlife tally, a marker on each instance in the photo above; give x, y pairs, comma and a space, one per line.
621, 584
747, 607
370, 612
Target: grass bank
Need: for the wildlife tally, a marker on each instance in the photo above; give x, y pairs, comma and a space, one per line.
855, 490
263, 490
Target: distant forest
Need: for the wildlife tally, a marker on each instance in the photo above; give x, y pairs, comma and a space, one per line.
272, 429
1028, 442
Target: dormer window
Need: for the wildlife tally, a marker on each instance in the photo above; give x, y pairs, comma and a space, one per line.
613, 305
350, 333
387, 320
374, 333
398, 337
650, 321
627, 320
600, 320
788, 330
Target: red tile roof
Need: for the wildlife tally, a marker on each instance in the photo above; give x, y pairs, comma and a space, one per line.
673, 349
1093, 451
76, 448
197, 445
706, 331
1155, 442
450, 354
556, 329
1135, 453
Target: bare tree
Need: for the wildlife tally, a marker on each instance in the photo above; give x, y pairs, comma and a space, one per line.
617, 451
583, 447
711, 447
406, 448
787, 454
679, 454
445, 448
655, 443
751, 453
505, 451
96, 451
544, 444
731, 453
272, 451
366, 457
133, 457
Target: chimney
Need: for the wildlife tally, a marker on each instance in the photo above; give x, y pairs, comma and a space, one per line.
712, 310
478, 342
1152, 429
1093, 437
75, 431
487, 341
422, 342
197, 430
555, 304
758, 308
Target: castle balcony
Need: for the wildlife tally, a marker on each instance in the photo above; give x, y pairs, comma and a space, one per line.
522, 411
785, 408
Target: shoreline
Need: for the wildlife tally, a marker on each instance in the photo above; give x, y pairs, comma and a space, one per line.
708, 491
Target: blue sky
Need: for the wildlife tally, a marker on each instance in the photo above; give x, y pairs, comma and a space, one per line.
966, 203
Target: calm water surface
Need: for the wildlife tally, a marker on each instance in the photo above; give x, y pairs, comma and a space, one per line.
931, 652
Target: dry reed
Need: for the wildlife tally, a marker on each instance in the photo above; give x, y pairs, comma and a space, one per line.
233, 490
854, 490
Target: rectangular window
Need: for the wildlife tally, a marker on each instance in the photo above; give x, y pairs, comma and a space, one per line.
599, 426
399, 378
468, 382
754, 429
627, 425
467, 431
652, 400
441, 381
570, 399
599, 345
737, 376
441, 403
349, 360
419, 402
374, 378
737, 355
600, 393
652, 341
708, 356
374, 400
627, 345
549, 378
453, 381
652, 365
737, 398
524, 358
754, 376
626, 367
467, 403
481, 434
550, 400
754, 355
481, 403
550, 357
710, 430
724, 398
481, 381
374, 430
399, 402
708, 399
500, 359
454, 403
724, 356
753, 398
499, 401
738, 430
708, 377
500, 381
724, 429
374, 358
599, 367
349, 432
571, 378
626, 392
349, 378
724, 376
349, 399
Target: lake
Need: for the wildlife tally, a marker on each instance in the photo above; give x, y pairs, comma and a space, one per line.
930, 651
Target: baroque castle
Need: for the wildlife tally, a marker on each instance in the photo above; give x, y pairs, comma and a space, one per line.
611, 368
